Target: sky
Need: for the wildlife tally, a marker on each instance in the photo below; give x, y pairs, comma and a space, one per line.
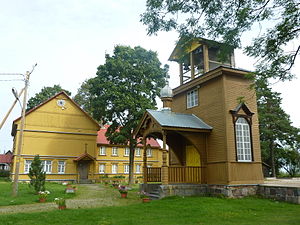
69, 39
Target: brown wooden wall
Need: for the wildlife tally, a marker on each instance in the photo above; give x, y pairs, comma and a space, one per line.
217, 96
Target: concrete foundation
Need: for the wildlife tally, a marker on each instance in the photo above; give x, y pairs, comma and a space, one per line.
281, 193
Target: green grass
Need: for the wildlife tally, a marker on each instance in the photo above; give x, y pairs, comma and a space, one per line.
26, 194
173, 211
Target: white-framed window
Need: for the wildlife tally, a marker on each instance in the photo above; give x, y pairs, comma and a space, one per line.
126, 168
126, 152
102, 150
101, 168
149, 152
192, 98
114, 151
243, 140
138, 168
47, 166
114, 168
27, 166
137, 152
61, 167
149, 165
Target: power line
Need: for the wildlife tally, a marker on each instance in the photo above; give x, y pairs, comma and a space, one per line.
13, 80
11, 74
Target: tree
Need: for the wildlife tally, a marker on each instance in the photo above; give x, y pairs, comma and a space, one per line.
276, 130
37, 175
289, 160
83, 97
125, 86
44, 94
226, 21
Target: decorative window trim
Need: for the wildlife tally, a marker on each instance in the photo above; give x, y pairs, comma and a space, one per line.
247, 116
192, 98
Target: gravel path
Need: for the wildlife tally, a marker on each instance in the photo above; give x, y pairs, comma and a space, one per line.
92, 196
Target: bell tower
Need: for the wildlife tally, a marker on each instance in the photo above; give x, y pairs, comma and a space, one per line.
197, 56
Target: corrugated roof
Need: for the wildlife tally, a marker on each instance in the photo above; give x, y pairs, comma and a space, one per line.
166, 118
101, 138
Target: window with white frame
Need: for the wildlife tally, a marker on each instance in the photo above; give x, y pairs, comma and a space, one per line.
138, 168
137, 152
27, 166
126, 152
114, 151
61, 167
149, 152
47, 166
101, 168
243, 140
126, 168
102, 150
192, 98
114, 168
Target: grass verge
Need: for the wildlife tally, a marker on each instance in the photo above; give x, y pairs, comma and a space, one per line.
173, 211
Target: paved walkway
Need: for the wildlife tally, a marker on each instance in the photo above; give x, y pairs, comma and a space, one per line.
288, 182
93, 196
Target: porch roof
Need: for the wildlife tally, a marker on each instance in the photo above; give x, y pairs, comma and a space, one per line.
167, 118
84, 156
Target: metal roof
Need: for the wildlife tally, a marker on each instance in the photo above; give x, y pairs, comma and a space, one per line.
182, 120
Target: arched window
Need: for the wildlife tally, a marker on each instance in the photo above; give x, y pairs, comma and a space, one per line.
243, 140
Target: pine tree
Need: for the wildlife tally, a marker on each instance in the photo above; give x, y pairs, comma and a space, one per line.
37, 175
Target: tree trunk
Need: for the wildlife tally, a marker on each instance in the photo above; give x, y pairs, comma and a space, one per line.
131, 163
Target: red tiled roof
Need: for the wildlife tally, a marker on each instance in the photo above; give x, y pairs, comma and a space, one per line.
101, 138
6, 158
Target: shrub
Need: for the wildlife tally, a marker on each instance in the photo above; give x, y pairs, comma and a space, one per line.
37, 175
4, 173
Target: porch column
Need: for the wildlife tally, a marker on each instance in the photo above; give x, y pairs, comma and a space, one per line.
181, 73
164, 169
145, 161
192, 65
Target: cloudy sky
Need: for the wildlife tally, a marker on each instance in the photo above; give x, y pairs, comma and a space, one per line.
68, 40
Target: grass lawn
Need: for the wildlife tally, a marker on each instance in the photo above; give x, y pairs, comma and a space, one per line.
27, 195
173, 211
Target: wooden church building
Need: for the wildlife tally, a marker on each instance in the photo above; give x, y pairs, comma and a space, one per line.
209, 123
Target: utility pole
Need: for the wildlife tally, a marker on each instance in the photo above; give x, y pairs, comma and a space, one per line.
20, 138
11, 108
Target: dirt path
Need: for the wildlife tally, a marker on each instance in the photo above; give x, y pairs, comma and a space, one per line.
89, 196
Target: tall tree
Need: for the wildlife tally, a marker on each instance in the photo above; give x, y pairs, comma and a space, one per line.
125, 86
276, 130
227, 20
44, 94
83, 97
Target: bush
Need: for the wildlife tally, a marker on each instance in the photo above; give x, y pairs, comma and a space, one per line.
36, 174
4, 173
